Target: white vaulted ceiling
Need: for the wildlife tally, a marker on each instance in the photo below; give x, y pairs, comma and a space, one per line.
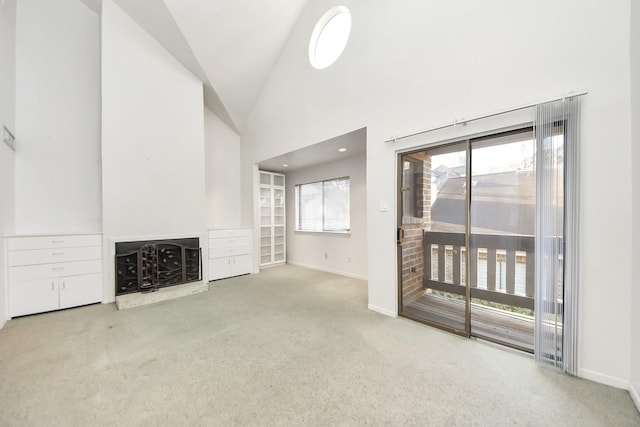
230, 44
237, 43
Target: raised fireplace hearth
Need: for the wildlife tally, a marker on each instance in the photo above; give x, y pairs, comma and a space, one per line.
149, 265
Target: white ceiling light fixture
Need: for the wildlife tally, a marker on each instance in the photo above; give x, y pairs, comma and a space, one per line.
329, 37
342, 150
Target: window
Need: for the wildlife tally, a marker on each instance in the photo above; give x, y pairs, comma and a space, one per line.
329, 37
412, 192
323, 206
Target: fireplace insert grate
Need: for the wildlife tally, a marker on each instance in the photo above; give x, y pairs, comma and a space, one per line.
147, 266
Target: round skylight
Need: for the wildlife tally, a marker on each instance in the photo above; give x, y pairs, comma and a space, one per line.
329, 37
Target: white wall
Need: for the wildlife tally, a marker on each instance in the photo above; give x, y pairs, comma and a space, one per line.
635, 118
57, 117
411, 65
222, 149
8, 64
153, 152
7, 118
346, 253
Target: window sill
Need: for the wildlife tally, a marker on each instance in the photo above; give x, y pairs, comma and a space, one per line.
341, 233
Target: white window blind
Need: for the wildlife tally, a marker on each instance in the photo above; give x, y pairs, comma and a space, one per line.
323, 206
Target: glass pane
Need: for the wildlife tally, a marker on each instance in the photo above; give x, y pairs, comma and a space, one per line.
278, 197
503, 210
309, 202
278, 180
433, 188
265, 178
412, 187
265, 197
336, 205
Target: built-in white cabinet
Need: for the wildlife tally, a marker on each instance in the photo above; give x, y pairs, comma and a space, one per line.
272, 219
230, 252
52, 272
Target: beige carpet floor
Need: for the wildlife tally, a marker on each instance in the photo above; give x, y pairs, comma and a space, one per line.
288, 346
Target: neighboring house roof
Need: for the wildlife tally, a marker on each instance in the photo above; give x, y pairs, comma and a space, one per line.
501, 203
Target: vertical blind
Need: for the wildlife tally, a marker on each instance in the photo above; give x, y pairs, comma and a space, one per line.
557, 131
323, 206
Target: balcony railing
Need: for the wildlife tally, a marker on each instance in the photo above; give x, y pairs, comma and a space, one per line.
501, 268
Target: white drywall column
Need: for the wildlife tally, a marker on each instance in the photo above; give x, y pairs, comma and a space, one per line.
222, 147
7, 118
635, 131
410, 66
153, 154
57, 117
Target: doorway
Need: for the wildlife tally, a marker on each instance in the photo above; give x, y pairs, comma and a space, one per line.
467, 218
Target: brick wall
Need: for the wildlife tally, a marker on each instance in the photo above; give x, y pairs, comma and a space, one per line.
412, 248
412, 262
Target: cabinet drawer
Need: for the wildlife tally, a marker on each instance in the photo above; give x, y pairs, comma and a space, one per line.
32, 272
52, 242
46, 256
229, 242
235, 232
225, 252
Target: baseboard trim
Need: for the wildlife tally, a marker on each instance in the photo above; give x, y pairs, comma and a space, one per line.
328, 270
635, 396
382, 310
604, 379
2, 323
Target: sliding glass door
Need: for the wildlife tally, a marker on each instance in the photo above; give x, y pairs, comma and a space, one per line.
466, 237
502, 229
433, 232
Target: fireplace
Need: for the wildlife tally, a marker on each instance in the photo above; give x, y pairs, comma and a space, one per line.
148, 265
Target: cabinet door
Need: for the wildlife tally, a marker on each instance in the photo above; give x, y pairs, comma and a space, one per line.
278, 207
219, 268
80, 290
265, 245
266, 205
241, 264
33, 296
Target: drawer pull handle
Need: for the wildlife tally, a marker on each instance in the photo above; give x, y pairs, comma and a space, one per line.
57, 253
52, 286
58, 268
64, 285
57, 242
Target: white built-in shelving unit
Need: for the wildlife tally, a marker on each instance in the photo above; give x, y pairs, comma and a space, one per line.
272, 219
